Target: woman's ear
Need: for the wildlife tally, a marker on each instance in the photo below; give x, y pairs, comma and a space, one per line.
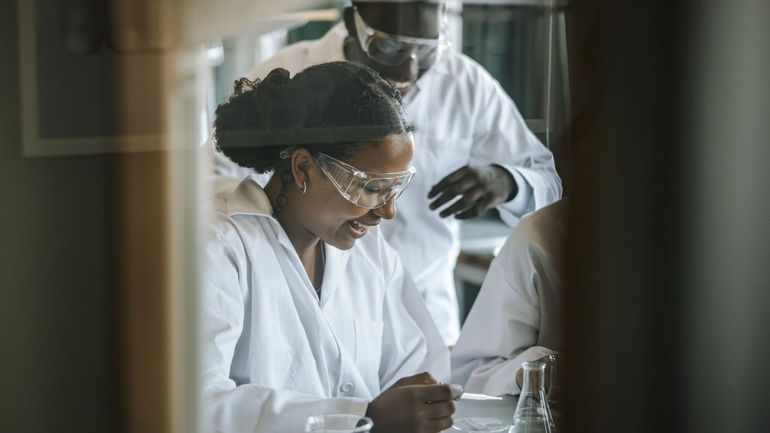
301, 161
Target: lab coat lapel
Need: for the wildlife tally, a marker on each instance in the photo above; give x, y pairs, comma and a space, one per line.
334, 271
248, 198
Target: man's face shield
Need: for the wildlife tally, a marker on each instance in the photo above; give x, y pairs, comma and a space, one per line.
366, 190
393, 50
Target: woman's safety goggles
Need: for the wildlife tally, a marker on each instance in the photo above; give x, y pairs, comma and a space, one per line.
367, 190
393, 50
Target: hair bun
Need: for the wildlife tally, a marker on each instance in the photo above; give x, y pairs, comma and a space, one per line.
269, 93
277, 77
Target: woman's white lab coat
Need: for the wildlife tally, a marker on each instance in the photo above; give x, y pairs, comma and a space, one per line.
272, 353
519, 313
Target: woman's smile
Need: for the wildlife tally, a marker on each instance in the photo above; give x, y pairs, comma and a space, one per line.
359, 229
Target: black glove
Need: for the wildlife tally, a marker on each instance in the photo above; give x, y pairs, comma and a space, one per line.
480, 188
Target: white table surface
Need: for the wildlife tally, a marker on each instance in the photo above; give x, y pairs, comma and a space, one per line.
501, 409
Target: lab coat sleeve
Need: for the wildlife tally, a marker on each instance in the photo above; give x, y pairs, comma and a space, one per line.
501, 137
229, 407
501, 330
411, 341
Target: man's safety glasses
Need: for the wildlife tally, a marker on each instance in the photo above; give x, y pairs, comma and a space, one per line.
392, 50
366, 190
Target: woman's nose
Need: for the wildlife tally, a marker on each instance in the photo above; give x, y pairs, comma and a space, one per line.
386, 211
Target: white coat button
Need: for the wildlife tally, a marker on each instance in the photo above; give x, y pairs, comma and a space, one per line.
346, 387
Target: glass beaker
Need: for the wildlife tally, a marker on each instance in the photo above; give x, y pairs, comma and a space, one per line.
533, 415
338, 423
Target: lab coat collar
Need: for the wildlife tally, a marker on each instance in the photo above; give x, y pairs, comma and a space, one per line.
440, 68
248, 198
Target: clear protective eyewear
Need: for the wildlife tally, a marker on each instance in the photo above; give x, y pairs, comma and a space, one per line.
366, 190
393, 50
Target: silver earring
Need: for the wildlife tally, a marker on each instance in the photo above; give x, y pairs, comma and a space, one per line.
304, 187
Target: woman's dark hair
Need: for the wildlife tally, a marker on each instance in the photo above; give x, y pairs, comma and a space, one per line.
331, 108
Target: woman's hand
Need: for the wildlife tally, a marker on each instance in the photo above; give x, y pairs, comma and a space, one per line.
414, 406
423, 378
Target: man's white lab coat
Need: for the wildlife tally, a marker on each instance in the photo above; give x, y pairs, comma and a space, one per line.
272, 353
462, 116
519, 313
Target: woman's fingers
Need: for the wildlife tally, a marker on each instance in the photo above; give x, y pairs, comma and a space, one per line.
438, 393
423, 378
437, 410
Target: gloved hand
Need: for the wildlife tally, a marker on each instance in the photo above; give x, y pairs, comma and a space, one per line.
409, 408
480, 188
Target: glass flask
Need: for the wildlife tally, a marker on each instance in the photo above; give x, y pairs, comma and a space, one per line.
533, 415
557, 389
338, 423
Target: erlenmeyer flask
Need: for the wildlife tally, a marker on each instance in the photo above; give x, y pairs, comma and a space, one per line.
532, 412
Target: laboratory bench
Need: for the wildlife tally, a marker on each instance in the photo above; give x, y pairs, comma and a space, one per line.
485, 407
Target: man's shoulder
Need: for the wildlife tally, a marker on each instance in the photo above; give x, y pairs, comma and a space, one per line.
544, 228
459, 76
458, 65
548, 216
300, 55
293, 58
296, 49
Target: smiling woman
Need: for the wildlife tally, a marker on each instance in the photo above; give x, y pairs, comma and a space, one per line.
306, 309
296, 127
